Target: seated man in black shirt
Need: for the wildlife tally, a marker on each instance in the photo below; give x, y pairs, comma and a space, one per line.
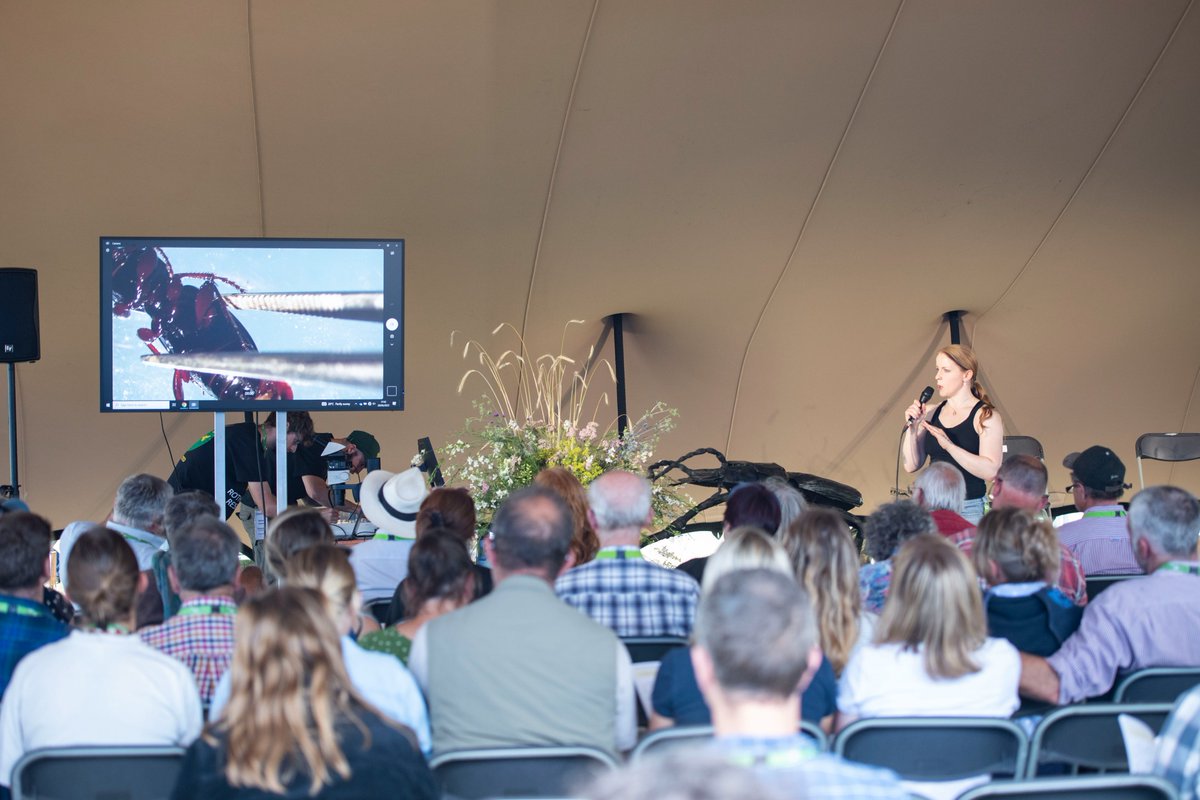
309, 473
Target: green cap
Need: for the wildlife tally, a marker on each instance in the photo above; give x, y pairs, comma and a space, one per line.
367, 444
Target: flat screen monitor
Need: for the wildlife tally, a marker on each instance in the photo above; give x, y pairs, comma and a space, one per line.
207, 324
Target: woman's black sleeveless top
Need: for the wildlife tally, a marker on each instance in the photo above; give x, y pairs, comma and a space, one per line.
963, 434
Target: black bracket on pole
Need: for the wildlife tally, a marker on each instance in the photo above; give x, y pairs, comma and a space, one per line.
618, 328
953, 318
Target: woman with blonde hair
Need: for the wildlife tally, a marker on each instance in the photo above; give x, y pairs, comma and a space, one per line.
826, 564
964, 430
676, 697
585, 543
931, 655
1017, 555
379, 678
289, 533
295, 724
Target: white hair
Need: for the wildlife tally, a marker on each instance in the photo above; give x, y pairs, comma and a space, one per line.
942, 486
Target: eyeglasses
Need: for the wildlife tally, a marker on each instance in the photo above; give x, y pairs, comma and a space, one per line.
1071, 488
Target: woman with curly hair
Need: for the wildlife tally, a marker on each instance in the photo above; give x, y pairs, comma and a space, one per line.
890, 526
826, 564
585, 543
295, 725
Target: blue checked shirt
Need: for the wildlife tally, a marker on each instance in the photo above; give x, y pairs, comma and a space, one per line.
632, 596
791, 764
25, 625
1177, 758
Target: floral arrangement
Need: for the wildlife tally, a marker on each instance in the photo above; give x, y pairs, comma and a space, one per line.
533, 416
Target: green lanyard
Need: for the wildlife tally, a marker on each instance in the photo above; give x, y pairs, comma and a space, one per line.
612, 552
1186, 567
390, 537
220, 607
1093, 514
129, 537
20, 611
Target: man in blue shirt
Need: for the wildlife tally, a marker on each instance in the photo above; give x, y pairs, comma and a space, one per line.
25, 623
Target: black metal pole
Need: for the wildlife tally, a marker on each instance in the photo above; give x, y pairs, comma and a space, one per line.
618, 323
953, 317
12, 429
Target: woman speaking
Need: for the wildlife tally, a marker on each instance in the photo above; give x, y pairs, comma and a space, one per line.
964, 429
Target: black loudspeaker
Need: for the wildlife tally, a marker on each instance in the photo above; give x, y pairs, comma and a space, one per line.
19, 339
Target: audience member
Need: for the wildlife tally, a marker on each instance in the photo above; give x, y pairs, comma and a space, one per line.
379, 678
931, 655
1099, 538
1144, 622
941, 490
619, 588
1177, 755
391, 501
25, 622
292, 531
676, 698
751, 676
890, 526
1017, 556
685, 773
791, 502
520, 667
99, 685
296, 724
204, 565
440, 580
826, 565
137, 515
1021, 483
748, 505
584, 541
180, 510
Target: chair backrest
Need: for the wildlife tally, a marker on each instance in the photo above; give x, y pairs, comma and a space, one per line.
936, 748
87, 773
661, 741
1092, 787
1156, 684
1166, 447
517, 771
651, 648
1098, 583
1023, 446
1088, 736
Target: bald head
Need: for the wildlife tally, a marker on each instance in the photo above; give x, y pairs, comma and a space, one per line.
619, 507
531, 533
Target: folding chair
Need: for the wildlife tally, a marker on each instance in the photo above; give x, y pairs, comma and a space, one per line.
1088, 737
96, 773
534, 772
1098, 583
1023, 446
936, 748
1166, 447
651, 648
1156, 684
666, 739
1091, 787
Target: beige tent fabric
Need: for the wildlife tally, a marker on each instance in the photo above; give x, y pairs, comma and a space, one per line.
786, 196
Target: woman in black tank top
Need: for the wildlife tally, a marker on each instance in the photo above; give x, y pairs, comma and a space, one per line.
964, 429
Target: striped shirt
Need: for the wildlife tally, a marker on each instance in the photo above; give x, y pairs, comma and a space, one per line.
1177, 758
1101, 542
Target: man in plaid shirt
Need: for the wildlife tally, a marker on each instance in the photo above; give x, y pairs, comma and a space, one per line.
25, 622
619, 589
203, 571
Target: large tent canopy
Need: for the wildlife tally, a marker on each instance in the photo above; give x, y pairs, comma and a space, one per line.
784, 197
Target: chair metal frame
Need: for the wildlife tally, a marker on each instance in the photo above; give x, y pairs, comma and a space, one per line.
1091, 719
47, 756
681, 734
651, 648
1135, 681
1098, 583
908, 729
1077, 786
1023, 445
1166, 447
481, 757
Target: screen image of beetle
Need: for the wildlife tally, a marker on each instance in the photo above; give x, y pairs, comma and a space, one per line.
256, 271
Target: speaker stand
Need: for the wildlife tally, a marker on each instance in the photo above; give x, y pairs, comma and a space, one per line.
12, 431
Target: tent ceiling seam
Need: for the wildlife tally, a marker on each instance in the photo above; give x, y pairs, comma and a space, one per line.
1095, 161
258, 161
1187, 409
737, 389
562, 136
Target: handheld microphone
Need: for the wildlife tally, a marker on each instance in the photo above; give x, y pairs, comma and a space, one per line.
926, 394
